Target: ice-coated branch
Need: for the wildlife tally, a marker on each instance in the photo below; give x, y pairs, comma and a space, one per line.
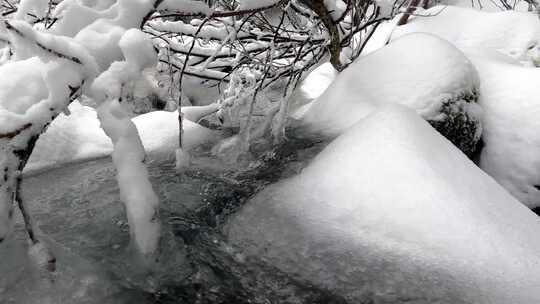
136, 192
222, 14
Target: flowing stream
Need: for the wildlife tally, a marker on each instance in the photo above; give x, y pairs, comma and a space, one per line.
78, 210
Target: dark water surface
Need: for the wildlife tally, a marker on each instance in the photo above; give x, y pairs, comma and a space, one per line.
78, 209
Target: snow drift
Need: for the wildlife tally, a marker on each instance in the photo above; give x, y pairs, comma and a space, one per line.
391, 212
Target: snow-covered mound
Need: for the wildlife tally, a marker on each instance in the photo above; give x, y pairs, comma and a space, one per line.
510, 96
79, 136
516, 34
420, 71
391, 212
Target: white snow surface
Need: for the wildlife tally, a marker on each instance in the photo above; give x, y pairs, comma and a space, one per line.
420, 71
487, 5
79, 137
392, 211
311, 87
255, 4
516, 34
510, 97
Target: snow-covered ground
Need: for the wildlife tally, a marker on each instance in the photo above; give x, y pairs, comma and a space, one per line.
391, 211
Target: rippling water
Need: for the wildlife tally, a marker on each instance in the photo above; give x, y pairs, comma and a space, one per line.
78, 210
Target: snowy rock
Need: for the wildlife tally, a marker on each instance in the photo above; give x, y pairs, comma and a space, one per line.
391, 212
420, 71
508, 92
516, 34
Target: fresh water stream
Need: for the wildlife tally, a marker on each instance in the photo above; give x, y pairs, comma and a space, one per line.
78, 210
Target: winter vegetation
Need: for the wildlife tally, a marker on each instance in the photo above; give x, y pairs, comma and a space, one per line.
269, 151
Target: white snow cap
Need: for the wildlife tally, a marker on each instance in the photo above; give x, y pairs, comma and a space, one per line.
419, 70
138, 48
391, 210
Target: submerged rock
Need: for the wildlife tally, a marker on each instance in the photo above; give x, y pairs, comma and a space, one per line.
391, 212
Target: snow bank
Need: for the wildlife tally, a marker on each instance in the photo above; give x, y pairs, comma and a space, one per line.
78, 137
516, 34
391, 211
488, 5
69, 139
420, 71
510, 96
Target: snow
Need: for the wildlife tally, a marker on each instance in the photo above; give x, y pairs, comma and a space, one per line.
159, 132
507, 93
69, 139
42, 94
27, 8
196, 113
420, 71
138, 49
487, 5
317, 81
336, 8
311, 87
78, 137
255, 4
512, 106
121, 76
136, 191
512, 33
185, 6
391, 211
22, 84
26, 46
